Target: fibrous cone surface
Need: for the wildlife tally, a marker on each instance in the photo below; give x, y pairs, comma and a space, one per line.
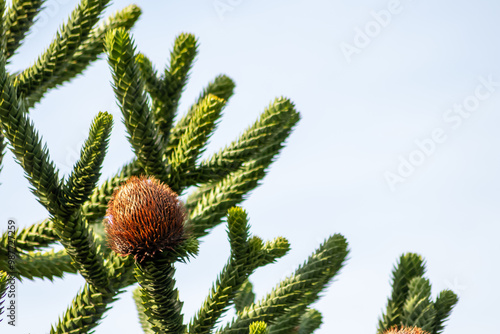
405, 330
144, 216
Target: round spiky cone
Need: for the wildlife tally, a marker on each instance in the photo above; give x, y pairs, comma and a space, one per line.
144, 216
405, 330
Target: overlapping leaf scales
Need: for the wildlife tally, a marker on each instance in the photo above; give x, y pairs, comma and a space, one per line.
160, 297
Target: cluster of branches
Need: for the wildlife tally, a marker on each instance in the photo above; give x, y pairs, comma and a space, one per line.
170, 151
410, 303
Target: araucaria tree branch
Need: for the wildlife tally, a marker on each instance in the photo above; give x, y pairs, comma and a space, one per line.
133, 228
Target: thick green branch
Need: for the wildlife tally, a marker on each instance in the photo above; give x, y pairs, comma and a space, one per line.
192, 142
222, 87
26, 145
31, 238
82, 245
253, 168
443, 305
72, 229
18, 20
310, 321
159, 295
418, 310
267, 131
85, 312
175, 78
154, 85
232, 277
129, 90
307, 282
143, 319
87, 170
44, 265
209, 204
409, 266
244, 296
88, 51
35, 80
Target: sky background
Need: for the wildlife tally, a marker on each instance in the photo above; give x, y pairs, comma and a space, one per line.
362, 115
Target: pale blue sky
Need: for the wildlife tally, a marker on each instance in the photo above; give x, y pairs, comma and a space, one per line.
359, 118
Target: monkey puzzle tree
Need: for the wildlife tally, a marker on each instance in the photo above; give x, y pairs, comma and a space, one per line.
132, 228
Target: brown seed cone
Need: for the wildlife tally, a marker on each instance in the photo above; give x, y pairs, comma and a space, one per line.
144, 216
405, 330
